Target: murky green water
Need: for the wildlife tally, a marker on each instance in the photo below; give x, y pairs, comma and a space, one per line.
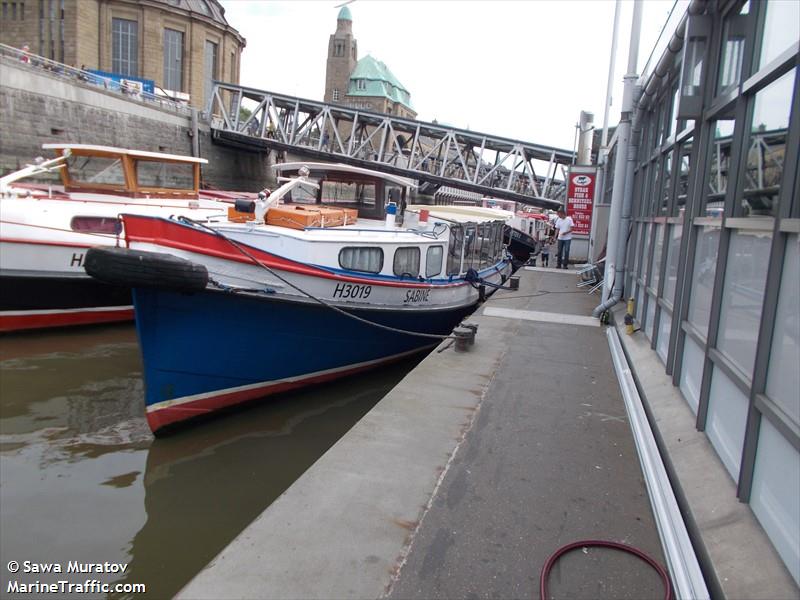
82, 478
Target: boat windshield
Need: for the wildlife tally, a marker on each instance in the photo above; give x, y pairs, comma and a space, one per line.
96, 170
168, 175
356, 194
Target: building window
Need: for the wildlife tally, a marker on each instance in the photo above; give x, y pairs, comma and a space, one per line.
173, 60
338, 48
335, 95
210, 67
361, 84
125, 47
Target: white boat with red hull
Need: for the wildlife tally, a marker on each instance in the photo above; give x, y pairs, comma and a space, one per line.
46, 230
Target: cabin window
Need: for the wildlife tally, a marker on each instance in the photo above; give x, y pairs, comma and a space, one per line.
153, 174
406, 262
87, 224
367, 260
470, 242
359, 194
455, 250
96, 169
433, 261
498, 247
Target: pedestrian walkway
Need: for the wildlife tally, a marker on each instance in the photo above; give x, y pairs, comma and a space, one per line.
468, 475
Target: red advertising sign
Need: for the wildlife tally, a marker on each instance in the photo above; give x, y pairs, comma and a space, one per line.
580, 199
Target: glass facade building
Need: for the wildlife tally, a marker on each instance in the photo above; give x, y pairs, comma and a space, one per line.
713, 257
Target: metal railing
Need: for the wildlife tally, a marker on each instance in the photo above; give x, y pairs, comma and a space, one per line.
69, 74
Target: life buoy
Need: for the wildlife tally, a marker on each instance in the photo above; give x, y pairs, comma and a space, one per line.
138, 268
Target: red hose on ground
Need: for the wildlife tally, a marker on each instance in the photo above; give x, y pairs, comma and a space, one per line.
548, 565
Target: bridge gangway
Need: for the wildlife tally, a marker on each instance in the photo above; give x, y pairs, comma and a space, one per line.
434, 154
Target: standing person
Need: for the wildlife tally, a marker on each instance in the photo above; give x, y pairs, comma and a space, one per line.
546, 243
564, 225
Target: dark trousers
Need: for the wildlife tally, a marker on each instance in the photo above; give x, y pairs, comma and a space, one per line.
545, 259
562, 259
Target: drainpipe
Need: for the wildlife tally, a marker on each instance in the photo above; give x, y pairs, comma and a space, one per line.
622, 193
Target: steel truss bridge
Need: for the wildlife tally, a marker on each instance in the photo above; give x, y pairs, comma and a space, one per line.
433, 154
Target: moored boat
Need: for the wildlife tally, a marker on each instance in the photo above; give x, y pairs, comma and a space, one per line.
296, 288
46, 230
524, 231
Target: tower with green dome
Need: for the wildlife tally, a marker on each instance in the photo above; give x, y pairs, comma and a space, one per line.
365, 84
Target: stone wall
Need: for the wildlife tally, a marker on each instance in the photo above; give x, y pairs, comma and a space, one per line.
37, 107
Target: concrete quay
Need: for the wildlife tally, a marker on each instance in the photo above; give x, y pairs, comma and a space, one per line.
468, 475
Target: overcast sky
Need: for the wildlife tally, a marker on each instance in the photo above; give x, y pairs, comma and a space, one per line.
522, 69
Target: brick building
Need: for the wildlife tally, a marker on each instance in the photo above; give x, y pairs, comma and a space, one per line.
366, 84
182, 45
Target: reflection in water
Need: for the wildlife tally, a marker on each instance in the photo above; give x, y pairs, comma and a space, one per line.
82, 478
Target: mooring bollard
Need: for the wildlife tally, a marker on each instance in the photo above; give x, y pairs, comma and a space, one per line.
474, 328
464, 338
513, 283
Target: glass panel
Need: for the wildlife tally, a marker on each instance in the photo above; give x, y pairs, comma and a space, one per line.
96, 169
781, 28
655, 193
718, 169
733, 47
125, 47
742, 297
339, 192
646, 251
637, 252
110, 225
433, 261
651, 317
455, 249
639, 304
774, 498
368, 260
727, 416
692, 372
682, 185
664, 328
658, 249
406, 262
165, 175
673, 262
173, 60
469, 247
705, 268
210, 68
665, 185
783, 376
767, 147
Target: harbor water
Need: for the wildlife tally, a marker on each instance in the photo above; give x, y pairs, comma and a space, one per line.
82, 478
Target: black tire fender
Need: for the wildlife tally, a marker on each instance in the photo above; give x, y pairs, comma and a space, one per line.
138, 268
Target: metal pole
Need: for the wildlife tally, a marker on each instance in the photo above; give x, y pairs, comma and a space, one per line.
615, 249
610, 84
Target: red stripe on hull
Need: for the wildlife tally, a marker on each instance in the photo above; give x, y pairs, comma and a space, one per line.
160, 418
10, 323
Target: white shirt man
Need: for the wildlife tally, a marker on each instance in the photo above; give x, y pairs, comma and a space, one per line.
563, 225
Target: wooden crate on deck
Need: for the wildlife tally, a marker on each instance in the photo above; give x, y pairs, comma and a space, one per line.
300, 217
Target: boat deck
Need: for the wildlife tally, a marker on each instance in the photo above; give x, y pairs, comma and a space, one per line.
468, 475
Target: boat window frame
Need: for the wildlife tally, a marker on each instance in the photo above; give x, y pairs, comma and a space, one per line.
419, 261
347, 268
428, 272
